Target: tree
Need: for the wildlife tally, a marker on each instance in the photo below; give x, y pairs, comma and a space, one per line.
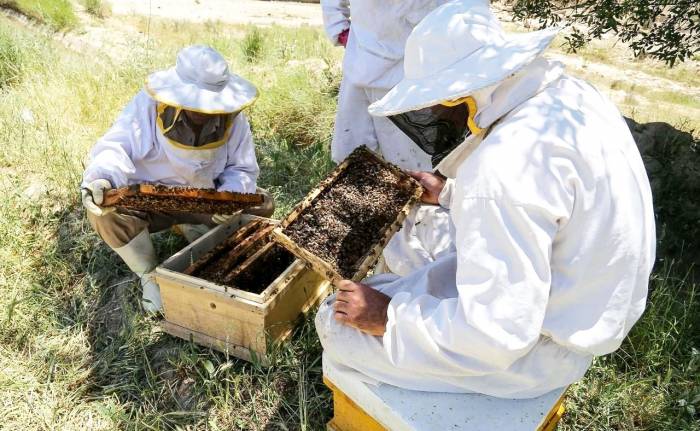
668, 30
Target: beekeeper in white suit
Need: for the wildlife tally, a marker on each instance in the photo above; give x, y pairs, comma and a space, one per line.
374, 33
552, 236
185, 128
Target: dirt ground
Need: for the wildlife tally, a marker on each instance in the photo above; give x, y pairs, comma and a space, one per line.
117, 34
228, 11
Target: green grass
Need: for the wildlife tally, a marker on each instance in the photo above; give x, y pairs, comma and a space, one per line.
11, 59
98, 8
252, 46
75, 352
58, 14
652, 381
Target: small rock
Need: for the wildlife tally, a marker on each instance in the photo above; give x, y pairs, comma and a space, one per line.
27, 116
35, 191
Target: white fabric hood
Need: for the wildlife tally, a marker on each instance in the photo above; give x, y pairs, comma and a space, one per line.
135, 151
494, 102
201, 81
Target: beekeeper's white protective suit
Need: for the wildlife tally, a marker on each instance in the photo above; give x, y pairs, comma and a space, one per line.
156, 140
550, 235
371, 66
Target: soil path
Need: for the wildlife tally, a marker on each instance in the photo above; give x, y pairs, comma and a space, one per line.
229, 11
297, 14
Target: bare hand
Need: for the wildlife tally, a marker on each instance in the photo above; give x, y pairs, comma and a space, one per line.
343, 37
432, 186
361, 307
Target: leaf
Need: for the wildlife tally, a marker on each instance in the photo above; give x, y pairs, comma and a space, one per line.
209, 367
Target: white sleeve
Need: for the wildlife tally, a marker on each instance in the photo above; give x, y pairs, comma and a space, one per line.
502, 281
336, 17
445, 196
241, 171
110, 158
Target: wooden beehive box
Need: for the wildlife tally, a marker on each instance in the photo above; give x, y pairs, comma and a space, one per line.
229, 319
366, 200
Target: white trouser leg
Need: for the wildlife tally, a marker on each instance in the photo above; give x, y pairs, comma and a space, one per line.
140, 256
353, 124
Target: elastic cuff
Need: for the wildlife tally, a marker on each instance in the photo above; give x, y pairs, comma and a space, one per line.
445, 197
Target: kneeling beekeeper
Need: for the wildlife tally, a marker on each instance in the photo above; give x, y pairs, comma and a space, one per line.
536, 253
185, 128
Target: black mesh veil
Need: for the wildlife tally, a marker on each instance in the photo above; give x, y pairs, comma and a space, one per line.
437, 129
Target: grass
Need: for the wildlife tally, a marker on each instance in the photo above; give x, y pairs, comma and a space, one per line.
98, 8
75, 352
58, 14
252, 45
652, 381
11, 59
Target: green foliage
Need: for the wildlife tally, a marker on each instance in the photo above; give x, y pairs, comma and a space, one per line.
98, 8
75, 349
665, 30
252, 45
293, 113
11, 59
58, 14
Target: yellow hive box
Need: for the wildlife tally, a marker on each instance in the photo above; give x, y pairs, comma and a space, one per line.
228, 319
363, 406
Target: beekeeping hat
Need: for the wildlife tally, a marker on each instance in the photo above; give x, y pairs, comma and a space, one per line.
201, 81
456, 50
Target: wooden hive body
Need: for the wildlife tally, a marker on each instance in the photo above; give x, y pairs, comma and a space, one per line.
231, 320
362, 406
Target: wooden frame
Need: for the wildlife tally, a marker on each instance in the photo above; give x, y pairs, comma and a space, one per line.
236, 240
241, 323
374, 251
114, 197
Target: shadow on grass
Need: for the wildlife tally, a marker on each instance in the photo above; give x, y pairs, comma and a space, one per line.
672, 160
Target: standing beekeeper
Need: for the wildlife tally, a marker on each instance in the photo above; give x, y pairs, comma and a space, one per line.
185, 128
374, 33
552, 236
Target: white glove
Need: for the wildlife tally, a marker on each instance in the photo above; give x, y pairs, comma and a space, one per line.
93, 195
223, 218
